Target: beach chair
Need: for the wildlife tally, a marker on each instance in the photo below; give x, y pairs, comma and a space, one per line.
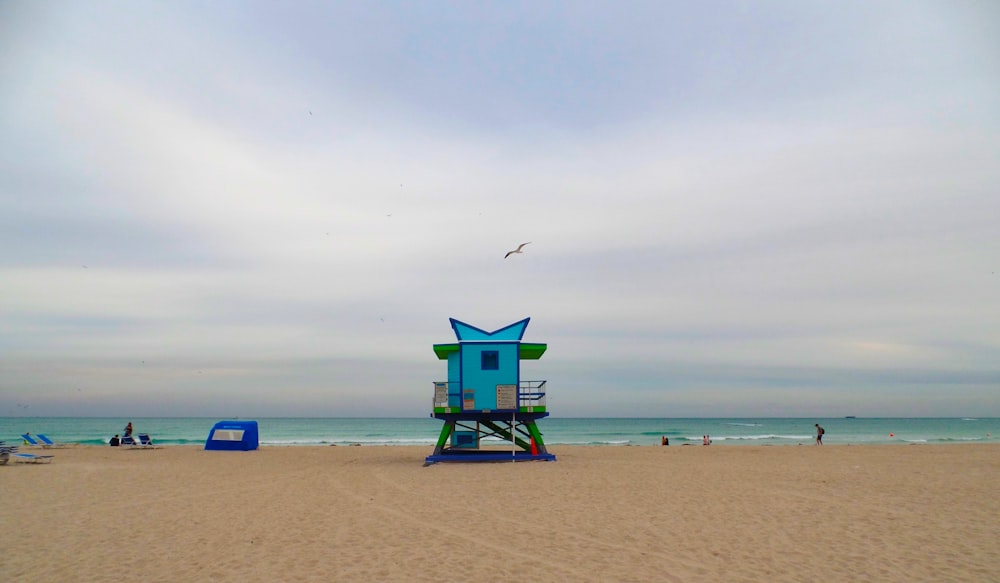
28, 439
5, 452
9, 452
129, 441
30, 458
48, 443
146, 441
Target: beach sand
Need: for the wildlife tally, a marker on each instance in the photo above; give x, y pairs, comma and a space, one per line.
746, 513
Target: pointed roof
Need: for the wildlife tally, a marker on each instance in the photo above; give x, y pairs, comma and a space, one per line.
509, 333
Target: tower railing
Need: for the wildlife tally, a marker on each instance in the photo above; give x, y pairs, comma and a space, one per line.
442, 390
529, 394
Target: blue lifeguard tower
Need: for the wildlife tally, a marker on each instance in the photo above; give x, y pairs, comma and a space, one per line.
485, 397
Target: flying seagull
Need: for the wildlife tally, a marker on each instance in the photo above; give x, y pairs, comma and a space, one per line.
518, 250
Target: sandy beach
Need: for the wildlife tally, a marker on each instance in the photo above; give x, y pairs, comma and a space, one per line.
832, 513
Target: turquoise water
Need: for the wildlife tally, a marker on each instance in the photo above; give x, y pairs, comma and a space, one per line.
604, 431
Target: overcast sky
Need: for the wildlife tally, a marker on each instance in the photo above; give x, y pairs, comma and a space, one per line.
257, 208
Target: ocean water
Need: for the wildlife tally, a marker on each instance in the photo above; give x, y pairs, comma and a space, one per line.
556, 431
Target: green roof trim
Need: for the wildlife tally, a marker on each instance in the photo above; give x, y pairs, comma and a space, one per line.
443, 350
528, 351
532, 351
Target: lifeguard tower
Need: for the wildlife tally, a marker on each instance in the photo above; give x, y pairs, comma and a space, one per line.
485, 398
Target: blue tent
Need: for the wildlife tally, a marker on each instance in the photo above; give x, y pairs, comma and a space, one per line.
233, 436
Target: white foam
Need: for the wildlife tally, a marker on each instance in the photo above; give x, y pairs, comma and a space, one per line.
751, 437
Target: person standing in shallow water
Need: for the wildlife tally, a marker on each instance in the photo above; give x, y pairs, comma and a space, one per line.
819, 434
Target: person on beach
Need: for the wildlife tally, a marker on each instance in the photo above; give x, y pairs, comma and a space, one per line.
664, 440
115, 441
706, 440
128, 429
819, 434
27, 434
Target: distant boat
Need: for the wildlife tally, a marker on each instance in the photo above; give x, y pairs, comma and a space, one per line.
850, 417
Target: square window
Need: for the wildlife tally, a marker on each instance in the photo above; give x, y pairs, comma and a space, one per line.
491, 360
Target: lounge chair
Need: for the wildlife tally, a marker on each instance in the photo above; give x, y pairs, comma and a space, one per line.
146, 441
30, 458
48, 443
140, 441
5, 452
9, 452
28, 439
136, 442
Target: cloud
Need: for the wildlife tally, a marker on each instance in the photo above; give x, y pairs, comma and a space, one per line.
786, 208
